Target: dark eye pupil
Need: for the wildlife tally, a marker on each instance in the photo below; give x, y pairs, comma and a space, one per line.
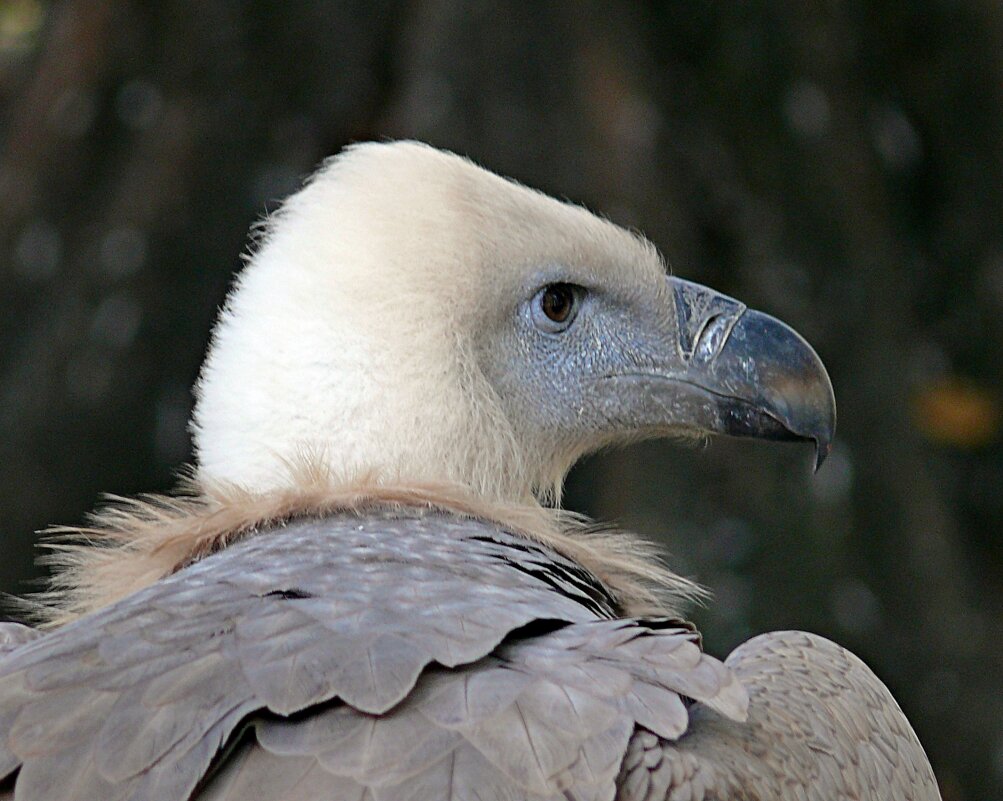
557, 302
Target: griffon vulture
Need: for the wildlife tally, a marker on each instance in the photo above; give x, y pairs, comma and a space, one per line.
365, 592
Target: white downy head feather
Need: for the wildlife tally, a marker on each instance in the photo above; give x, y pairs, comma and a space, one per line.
350, 336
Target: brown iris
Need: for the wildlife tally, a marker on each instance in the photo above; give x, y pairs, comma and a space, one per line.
557, 302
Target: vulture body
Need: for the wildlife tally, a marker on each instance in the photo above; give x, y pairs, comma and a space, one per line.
361, 596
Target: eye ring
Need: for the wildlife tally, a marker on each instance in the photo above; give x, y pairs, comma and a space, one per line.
555, 306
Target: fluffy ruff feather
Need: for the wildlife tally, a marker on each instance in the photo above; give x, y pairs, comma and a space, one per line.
134, 542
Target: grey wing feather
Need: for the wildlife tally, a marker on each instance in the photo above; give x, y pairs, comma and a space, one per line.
392, 658
821, 727
134, 701
527, 722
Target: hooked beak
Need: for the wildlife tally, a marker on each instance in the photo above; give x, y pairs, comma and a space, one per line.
731, 370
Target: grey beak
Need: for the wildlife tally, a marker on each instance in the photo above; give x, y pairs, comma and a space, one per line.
724, 369
764, 379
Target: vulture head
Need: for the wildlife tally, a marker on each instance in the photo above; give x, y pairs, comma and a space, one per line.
409, 316
412, 331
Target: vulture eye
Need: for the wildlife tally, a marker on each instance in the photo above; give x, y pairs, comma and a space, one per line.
554, 307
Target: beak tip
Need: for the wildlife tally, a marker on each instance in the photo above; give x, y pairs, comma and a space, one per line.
822, 450
826, 431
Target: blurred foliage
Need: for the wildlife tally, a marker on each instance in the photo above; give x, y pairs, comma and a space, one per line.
838, 165
953, 413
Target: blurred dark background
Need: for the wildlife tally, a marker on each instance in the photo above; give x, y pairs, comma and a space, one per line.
837, 164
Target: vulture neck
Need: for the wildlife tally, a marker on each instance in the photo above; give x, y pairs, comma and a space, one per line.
137, 541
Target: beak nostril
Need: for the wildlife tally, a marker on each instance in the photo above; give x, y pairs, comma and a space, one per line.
712, 336
704, 319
